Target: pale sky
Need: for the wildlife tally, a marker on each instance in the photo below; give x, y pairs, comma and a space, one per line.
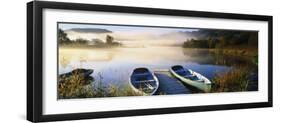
115, 28
130, 34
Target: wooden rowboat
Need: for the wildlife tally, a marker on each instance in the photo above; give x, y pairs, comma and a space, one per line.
191, 78
143, 81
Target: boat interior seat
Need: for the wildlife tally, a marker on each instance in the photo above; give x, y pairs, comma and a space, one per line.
195, 78
189, 76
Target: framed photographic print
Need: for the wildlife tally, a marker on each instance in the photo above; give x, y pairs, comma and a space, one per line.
95, 61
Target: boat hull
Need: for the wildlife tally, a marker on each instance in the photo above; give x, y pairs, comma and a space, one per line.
142, 92
203, 86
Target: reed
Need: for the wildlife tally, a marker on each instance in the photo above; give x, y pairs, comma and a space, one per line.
74, 87
112, 90
232, 81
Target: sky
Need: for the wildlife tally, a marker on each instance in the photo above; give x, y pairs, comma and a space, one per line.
129, 34
114, 28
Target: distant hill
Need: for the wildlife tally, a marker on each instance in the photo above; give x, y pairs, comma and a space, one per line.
89, 30
210, 38
216, 34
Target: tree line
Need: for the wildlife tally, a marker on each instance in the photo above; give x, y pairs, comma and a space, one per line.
63, 39
222, 38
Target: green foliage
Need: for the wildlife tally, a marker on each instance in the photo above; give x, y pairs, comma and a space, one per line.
222, 38
84, 43
196, 44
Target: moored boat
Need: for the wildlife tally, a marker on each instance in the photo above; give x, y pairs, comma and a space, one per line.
144, 81
79, 74
79, 71
191, 78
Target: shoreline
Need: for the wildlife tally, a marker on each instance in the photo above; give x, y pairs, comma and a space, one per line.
229, 51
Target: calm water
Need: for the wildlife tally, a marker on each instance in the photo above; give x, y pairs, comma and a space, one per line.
114, 65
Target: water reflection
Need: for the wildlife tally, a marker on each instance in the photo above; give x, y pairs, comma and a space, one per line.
114, 65
205, 56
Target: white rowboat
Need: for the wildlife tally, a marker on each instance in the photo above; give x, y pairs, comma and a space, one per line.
143, 81
191, 78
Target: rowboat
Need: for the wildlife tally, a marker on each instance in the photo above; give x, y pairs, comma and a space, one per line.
191, 78
143, 81
79, 71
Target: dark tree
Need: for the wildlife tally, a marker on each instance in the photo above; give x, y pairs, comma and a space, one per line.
62, 37
253, 39
81, 41
222, 38
109, 39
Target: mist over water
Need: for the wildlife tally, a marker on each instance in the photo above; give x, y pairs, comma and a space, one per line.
136, 37
114, 65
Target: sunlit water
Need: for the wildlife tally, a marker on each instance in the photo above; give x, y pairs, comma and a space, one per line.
114, 65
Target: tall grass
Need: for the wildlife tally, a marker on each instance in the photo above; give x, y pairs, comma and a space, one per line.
112, 90
75, 87
232, 81
234, 52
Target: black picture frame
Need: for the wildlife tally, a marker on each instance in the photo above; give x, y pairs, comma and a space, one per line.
35, 69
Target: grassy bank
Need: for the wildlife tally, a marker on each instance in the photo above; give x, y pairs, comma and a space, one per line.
73, 88
239, 51
233, 81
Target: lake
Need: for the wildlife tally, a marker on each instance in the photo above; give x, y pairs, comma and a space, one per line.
114, 65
